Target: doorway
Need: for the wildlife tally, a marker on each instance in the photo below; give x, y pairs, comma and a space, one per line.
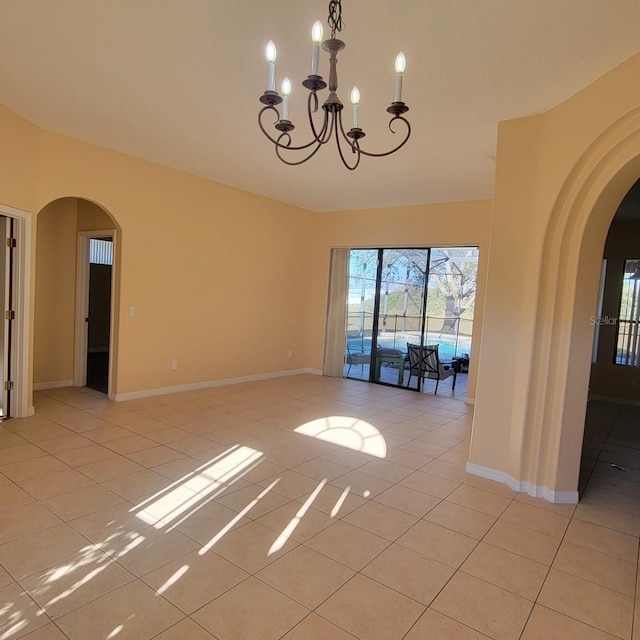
401, 296
7, 246
15, 261
99, 316
611, 448
94, 309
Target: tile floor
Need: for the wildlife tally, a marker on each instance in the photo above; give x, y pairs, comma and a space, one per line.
206, 515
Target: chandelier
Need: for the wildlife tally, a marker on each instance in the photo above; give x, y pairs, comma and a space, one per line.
332, 124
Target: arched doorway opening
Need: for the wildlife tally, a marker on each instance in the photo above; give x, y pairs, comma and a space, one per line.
611, 446
75, 324
574, 246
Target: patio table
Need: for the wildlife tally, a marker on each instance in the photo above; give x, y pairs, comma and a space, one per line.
392, 356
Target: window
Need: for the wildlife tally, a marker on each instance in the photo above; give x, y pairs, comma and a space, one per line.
628, 338
100, 251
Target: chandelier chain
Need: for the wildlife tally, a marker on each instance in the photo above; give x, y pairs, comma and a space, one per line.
335, 17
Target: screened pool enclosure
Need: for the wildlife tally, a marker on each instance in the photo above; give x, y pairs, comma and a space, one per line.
399, 296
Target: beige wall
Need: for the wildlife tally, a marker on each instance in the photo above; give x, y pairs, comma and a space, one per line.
559, 179
223, 281
55, 292
92, 218
436, 225
219, 277
18, 160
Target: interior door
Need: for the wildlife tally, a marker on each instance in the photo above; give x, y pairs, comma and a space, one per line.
6, 279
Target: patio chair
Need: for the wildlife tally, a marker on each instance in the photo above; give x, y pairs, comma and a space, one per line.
424, 362
356, 357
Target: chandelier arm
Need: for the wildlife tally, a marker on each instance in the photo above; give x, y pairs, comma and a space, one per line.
266, 133
355, 147
277, 141
285, 147
388, 153
321, 138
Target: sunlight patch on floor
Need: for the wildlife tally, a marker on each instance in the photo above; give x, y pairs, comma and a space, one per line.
236, 519
295, 521
173, 579
349, 432
184, 495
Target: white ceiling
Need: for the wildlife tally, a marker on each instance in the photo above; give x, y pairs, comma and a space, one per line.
178, 81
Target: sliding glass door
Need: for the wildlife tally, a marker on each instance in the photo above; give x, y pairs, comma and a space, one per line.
361, 307
400, 296
400, 315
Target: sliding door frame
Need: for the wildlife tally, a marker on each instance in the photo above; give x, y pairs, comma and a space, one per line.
375, 325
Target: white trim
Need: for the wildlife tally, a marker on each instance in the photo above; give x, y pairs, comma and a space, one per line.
20, 357
207, 384
557, 497
55, 384
82, 306
469, 400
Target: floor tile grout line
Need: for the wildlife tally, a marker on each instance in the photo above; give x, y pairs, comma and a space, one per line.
440, 499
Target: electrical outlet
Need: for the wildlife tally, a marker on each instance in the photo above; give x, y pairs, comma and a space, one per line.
290, 353
174, 364
132, 311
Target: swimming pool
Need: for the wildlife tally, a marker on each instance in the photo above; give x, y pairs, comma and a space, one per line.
449, 346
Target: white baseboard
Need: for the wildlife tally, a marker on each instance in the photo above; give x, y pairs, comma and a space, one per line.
31, 411
522, 486
55, 384
469, 400
207, 384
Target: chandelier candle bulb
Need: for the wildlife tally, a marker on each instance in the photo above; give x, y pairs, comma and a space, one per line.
317, 34
271, 54
286, 91
401, 65
355, 101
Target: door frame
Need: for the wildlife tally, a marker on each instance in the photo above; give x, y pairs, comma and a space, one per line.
82, 307
21, 405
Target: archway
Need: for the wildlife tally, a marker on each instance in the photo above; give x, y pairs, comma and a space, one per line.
64, 228
608, 451
568, 299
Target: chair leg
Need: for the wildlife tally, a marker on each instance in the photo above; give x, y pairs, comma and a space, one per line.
435, 393
455, 376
